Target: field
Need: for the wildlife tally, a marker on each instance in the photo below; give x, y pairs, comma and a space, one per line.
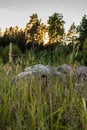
58, 100
39, 104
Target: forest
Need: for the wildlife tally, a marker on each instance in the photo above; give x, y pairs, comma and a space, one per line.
42, 40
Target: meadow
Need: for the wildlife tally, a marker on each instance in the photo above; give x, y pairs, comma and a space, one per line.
40, 104
52, 103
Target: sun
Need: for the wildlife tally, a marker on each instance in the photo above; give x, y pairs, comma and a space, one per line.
46, 38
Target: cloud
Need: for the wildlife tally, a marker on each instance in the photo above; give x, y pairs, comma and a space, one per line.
13, 3
18, 11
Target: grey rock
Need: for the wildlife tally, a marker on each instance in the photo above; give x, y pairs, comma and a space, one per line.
82, 70
79, 75
64, 68
37, 70
82, 73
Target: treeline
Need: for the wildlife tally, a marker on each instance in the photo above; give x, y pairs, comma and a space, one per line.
50, 40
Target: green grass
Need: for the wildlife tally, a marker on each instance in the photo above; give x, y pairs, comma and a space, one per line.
41, 104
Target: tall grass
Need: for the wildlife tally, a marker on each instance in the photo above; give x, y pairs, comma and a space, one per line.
41, 104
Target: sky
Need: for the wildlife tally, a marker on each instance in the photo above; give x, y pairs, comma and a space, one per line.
18, 12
